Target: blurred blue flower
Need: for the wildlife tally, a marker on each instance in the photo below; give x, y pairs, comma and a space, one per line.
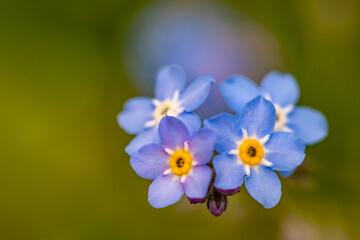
177, 165
251, 150
204, 38
141, 115
282, 90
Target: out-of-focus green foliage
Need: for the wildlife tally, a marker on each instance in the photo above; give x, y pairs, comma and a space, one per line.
63, 170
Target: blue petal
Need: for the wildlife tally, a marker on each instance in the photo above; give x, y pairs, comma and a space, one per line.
287, 173
285, 150
226, 130
264, 186
150, 161
196, 93
282, 88
173, 133
169, 79
201, 146
258, 117
237, 91
165, 190
229, 174
137, 111
309, 124
197, 183
191, 121
148, 136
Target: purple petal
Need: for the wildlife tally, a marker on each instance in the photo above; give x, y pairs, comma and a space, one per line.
197, 182
150, 161
201, 146
229, 192
191, 121
173, 133
165, 190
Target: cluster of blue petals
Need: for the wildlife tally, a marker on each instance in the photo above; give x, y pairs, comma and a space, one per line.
284, 151
283, 91
140, 110
265, 113
152, 162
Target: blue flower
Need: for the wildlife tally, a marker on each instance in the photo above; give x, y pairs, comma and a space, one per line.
178, 165
282, 90
251, 150
141, 115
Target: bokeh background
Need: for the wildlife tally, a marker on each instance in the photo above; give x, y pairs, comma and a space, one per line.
67, 67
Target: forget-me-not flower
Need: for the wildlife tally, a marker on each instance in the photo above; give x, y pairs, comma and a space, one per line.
251, 150
282, 90
177, 165
141, 115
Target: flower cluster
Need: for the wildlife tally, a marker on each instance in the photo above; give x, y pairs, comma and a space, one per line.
267, 133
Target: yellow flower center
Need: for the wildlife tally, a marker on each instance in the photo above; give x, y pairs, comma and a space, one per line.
251, 152
181, 162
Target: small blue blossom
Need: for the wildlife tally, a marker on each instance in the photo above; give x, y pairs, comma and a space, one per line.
282, 90
141, 115
177, 165
251, 150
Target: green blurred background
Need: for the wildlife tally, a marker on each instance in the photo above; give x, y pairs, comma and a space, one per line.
63, 170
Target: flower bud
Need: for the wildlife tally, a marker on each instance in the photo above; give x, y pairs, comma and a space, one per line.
217, 202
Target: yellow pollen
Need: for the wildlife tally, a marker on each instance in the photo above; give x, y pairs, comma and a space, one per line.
251, 152
181, 162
